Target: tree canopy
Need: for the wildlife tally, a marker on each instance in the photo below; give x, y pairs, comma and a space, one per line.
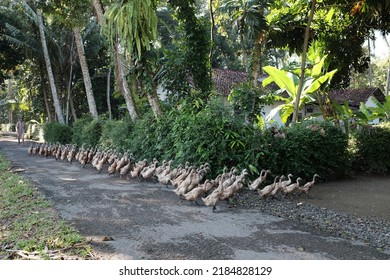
173, 44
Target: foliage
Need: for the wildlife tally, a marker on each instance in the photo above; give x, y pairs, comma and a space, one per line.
196, 46
373, 150
248, 100
87, 131
115, 134
150, 138
380, 110
55, 132
134, 23
304, 149
288, 81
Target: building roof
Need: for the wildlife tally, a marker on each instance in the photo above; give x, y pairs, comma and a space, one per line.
224, 79
355, 96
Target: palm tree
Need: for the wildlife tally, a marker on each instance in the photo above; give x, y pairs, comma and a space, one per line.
85, 71
134, 25
57, 105
120, 75
248, 18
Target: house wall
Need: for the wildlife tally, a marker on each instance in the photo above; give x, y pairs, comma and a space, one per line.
272, 117
370, 103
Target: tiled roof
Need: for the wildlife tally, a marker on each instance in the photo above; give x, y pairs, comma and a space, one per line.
224, 79
355, 96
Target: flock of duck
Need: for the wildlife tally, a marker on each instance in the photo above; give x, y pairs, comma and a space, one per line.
188, 182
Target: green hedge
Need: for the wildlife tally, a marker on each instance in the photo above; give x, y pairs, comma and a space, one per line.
373, 149
216, 136
55, 132
307, 148
87, 131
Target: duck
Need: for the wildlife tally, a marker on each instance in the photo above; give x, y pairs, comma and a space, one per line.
71, 154
112, 157
161, 168
148, 172
290, 188
197, 192
112, 168
125, 169
99, 165
183, 175
256, 183
235, 186
231, 190
121, 162
169, 176
281, 184
308, 186
183, 186
268, 189
213, 198
197, 178
139, 166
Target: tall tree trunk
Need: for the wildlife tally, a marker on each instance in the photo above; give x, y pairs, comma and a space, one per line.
388, 70
154, 103
369, 62
72, 108
244, 52
258, 51
86, 76
123, 86
120, 77
211, 31
99, 11
43, 91
303, 62
53, 88
109, 93
11, 97
69, 84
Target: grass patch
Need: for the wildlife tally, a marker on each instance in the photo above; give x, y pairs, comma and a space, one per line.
29, 227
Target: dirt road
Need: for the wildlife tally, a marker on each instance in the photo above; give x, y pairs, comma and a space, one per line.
148, 221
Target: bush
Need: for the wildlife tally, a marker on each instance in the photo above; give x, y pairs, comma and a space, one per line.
307, 148
87, 131
55, 132
116, 134
151, 138
217, 136
372, 149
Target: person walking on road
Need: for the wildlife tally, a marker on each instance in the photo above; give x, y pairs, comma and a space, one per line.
20, 130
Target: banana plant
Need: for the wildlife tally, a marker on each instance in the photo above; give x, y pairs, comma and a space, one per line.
288, 81
380, 111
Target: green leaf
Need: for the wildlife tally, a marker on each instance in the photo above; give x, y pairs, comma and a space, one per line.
285, 111
316, 84
317, 68
281, 78
329, 15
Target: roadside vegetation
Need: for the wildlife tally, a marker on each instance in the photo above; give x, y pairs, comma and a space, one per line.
29, 227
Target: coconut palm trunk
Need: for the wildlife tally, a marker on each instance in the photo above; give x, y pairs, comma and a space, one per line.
120, 77
85, 71
123, 85
108, 93
56, 101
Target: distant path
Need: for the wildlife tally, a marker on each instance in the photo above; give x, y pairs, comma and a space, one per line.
148, 221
